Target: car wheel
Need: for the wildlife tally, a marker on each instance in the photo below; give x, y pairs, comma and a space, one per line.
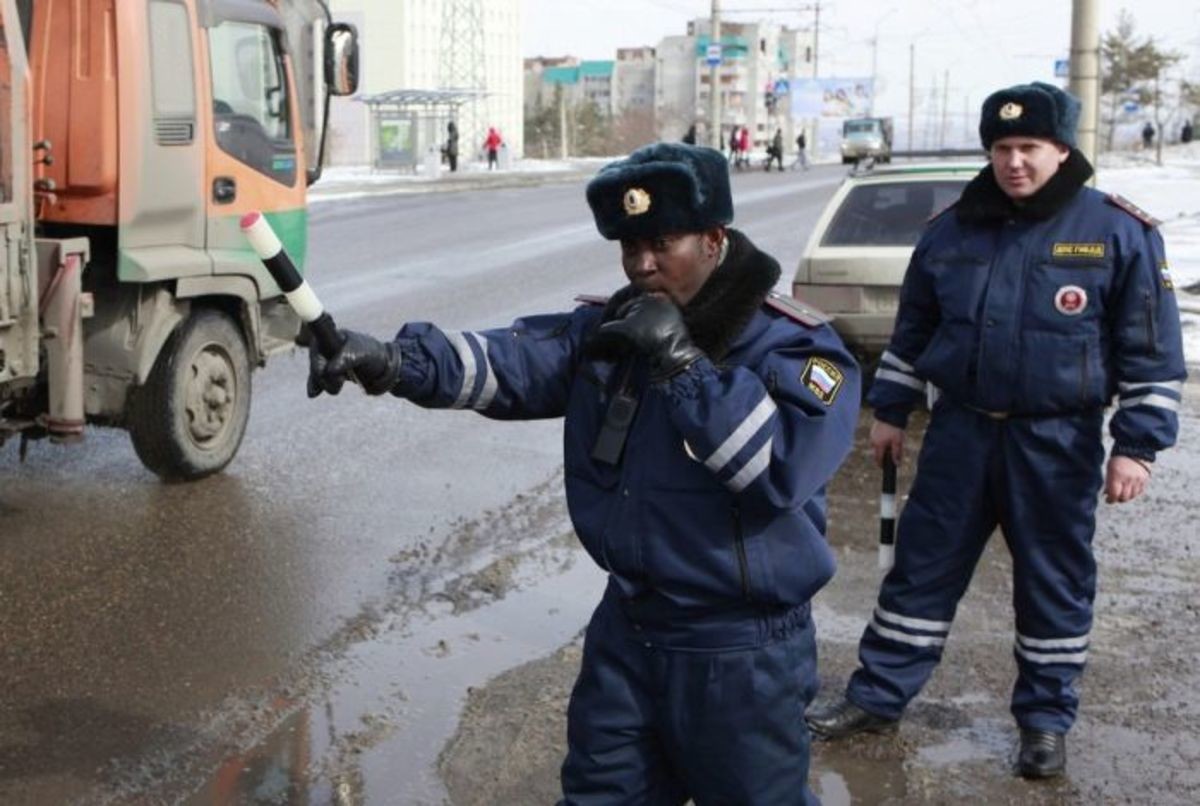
188, 419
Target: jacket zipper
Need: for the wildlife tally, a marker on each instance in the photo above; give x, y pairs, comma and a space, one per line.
1084, 379
740, 545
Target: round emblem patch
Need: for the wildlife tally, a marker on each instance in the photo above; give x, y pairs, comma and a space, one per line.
1070, 300
1011, 111
636, 201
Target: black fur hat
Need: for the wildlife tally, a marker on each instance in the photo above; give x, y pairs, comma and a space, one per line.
661, 189
1029, 110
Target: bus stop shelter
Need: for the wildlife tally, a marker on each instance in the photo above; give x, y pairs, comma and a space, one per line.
408, 127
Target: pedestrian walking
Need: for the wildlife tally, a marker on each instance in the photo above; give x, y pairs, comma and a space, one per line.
1185, 134
704, 415
734, 145
801, 152
451, 147
744, 147
492, 146
689, 137
1147, 135
1029, 304
775, 150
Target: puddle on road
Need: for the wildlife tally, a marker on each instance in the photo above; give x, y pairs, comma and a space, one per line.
375, 735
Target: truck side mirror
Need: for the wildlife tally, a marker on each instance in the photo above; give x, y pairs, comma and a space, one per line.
341, 58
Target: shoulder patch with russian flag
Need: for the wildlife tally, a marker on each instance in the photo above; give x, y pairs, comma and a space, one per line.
823, 379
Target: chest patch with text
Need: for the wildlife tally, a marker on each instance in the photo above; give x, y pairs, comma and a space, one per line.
1092, 251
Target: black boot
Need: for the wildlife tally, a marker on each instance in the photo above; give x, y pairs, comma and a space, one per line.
1043, 754
843, 718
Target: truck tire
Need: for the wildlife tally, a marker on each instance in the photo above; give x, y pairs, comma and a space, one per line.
187, 421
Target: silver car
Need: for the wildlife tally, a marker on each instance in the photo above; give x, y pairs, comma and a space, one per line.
855, 259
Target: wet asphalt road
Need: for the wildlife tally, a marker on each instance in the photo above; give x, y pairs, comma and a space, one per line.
303, 627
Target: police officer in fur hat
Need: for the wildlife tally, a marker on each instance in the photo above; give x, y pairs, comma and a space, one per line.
1032, 305
704, 415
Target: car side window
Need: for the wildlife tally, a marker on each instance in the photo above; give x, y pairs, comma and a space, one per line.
250, 98
891, 214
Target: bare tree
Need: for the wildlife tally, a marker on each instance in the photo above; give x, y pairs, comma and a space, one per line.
1131, 69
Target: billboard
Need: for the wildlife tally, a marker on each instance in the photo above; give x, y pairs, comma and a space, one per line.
831, 97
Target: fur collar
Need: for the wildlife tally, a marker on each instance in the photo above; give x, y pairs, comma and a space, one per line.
984, 202
726, 302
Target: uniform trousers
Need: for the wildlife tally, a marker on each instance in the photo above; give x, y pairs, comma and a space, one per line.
657, 717
1038, 479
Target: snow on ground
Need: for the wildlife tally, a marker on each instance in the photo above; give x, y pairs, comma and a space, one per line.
1170, 192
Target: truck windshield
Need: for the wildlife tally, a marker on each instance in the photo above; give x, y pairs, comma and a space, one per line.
864, 127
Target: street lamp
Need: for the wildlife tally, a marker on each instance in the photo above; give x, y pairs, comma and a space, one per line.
875, 58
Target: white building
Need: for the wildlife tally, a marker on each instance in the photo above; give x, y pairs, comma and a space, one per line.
759, 62
400, 45
633, 80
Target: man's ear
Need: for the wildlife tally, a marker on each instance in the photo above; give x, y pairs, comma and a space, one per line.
1063, 153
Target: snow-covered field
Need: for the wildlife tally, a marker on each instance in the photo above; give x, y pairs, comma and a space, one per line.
1172, 194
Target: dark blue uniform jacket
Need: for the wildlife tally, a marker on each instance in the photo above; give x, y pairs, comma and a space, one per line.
1042, 316
717, 504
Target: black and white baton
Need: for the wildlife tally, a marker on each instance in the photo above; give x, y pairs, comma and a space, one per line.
299, 294
887, 514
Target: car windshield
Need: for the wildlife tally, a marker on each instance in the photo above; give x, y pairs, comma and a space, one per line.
889, 214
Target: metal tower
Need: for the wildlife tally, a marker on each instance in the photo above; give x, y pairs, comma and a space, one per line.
462, 63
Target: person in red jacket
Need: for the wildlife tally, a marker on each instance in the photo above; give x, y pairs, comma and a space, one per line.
492, 144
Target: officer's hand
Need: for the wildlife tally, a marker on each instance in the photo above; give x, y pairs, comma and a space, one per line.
653, 325
1124, 480
373, 364
887, 438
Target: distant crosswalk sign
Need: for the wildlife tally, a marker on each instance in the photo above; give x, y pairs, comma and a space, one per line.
1062, 68
713, 56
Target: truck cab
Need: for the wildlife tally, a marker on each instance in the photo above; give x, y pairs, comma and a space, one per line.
864, 138
135, 137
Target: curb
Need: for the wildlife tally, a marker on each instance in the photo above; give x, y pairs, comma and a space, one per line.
445, 185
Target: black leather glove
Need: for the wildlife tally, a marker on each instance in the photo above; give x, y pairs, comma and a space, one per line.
653, 325
373, 364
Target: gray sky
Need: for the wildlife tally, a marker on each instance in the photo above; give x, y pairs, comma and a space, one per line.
984, 44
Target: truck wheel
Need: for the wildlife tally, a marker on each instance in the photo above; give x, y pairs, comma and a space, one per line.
187, 420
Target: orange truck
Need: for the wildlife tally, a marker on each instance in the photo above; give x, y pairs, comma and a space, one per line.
134, 134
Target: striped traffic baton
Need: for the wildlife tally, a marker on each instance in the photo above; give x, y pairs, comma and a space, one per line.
298, 292
887, 514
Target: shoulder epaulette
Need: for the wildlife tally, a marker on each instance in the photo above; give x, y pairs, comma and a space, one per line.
796, 310
591, 299
941, 212
1137, 212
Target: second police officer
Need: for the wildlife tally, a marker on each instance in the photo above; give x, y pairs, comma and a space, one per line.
1032, 304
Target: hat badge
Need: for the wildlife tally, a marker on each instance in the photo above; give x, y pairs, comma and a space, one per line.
636, 201
1011, 111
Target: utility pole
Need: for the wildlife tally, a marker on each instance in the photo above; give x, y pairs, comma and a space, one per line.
1084, 82
945, 108
714, 81
912, 92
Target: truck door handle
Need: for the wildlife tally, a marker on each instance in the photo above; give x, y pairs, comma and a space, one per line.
224, 189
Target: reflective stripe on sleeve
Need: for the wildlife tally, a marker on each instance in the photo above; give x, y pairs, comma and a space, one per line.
889, 357
1156, 401
900, 378
489, 377
741, 435
752, 469
466, 357
1170, 386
